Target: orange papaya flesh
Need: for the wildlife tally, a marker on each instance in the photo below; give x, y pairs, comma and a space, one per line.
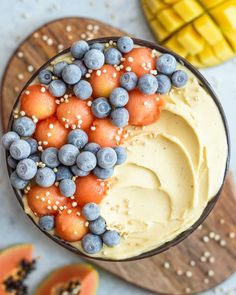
16, 263
83, 277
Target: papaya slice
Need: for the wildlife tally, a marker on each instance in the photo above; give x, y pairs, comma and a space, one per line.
16, 263
81, 277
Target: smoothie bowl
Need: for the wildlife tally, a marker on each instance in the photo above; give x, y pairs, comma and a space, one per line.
117, 148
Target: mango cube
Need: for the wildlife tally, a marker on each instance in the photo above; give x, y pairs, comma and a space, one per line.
193, 59
207, 56
222, 50
190, 40
147, 13
188, 9
158, 30
155, 5
208, 29
169, 20
174, 45
211, 3
225, 15
231, 36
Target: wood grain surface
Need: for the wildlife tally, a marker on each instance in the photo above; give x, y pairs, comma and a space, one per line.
205, 258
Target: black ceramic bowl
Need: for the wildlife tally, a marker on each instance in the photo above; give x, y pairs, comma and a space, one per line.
211, 203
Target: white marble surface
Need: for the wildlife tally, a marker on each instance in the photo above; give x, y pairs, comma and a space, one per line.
18, 19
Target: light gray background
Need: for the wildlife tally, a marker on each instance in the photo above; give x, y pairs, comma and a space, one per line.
18, 19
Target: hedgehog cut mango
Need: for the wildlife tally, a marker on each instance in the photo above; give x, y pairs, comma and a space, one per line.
202, 31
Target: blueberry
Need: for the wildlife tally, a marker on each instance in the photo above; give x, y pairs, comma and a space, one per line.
148, 84
47, 222
63, 172
17, 182
121, 154
81, 65
57, 88
129, 81
45, 177
125, 44
106, 157
11, 162
78, 172
35, 157
102, 173
45, 77
98, 46
67, 187
119, 97
58, 68
79, 48
86, 161
164, 84
91, 243
83, 90
67, 154
179, 78
71, 74
8, 139
120, 117
111, 238
113, 56
91, 211
50, 158
92, 147
20, 149
94, 59
78, 138
98, 226
26, 169
101, 107
166, 64
24, 126
33, 145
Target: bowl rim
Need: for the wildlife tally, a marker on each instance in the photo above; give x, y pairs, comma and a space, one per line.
179, 238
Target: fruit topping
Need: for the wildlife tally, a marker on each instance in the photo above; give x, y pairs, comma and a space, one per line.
45, 177
112, 56
111, 238
57, 88
47, 222
50, 157
106, 157
94, 59
143, 109
89, 189
101, 107
148, 84
91, 243
125, 44
67, 187
166, 64
37, 102
104, 81
67, 154
8, 138
24, 126
121, 154
86, 161
78, 138
91, 211
120, 117
71, 74
45, 77
79, 48
75, 113
98, 226
140, 61
70, 225
129, 81
179, 78
51, 133
83, 90
164, 84
119, 97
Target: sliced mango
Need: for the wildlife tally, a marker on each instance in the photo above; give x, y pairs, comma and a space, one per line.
193, 59
190, 40
225, 15
174, 45
207, 56
231, 36
170, 20
147, 13
158, 30
211, 3
206, 27
155, 5
222, 50
188, 9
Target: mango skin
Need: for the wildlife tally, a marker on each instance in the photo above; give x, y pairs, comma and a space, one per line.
202, 31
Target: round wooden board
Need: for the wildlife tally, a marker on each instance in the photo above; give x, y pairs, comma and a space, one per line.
148, 273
